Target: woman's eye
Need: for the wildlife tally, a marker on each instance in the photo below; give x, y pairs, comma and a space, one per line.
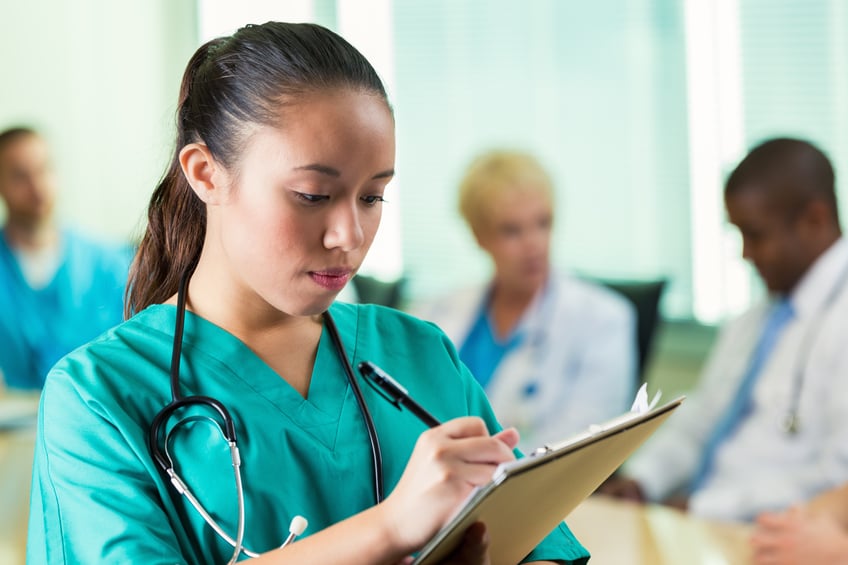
311, 198
509, 231
373, 199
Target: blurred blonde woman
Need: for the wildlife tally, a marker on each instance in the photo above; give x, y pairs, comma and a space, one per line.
554, 353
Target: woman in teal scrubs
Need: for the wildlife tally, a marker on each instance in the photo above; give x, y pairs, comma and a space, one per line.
285, 147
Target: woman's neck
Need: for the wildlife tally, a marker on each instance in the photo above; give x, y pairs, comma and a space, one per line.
507, 306
287, 344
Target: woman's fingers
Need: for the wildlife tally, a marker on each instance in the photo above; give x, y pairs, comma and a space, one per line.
509, 437
474, 549
470, 426
447, 463
471, 441
467, 426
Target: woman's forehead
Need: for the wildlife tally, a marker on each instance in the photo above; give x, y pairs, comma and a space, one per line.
337, 132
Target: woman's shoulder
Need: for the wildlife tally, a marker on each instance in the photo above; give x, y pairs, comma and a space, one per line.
120, 379
383, 330
117, 354
382, 319
416, 352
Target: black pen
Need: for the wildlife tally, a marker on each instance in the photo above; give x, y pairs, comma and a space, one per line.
398, 395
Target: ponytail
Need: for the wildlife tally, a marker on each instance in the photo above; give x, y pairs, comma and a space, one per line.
176, 226
176, 217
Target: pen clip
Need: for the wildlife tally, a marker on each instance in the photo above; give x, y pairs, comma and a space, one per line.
369, 372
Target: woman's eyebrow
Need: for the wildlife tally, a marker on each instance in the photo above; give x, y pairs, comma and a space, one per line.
318, 168
330, 171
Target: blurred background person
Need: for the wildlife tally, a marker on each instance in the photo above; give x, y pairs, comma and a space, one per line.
553, 352
815, 532
58, 289
767, 425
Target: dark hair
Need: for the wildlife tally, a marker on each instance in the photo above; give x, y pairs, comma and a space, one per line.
793, 171
14, 133
231, 82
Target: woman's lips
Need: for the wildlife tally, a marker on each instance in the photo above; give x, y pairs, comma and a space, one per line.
333, 279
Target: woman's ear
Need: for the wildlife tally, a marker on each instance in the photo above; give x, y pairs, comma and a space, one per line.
203, 173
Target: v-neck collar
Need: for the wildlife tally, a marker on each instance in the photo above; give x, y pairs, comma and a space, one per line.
237, 366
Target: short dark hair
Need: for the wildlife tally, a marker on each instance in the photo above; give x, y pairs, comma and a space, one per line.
11, 134
794, 171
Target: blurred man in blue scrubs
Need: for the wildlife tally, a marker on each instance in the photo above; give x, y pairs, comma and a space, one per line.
58, 289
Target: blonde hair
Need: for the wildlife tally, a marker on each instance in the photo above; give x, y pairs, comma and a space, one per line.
498, 172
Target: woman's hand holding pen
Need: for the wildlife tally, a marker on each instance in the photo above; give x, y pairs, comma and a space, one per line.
447, 463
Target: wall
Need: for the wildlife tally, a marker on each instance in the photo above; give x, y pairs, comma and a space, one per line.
596, 90
100, 78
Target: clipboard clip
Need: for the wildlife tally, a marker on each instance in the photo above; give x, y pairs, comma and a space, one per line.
640, 403
640, 406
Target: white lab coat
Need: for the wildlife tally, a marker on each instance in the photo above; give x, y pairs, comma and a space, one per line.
578, 354
761, 466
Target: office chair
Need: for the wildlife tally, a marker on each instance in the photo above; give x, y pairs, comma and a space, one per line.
370, 290
645, 297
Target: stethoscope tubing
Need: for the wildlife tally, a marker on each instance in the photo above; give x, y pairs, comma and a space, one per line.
791, 421
373, 438
228, 430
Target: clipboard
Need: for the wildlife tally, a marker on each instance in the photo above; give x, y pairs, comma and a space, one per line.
529, 497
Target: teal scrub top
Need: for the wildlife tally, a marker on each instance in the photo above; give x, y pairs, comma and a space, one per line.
83, 299
98, 496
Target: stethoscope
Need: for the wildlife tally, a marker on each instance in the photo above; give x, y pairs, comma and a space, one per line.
791, 423
532, 333
223, 422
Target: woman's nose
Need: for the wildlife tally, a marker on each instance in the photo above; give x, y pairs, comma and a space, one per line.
344, 229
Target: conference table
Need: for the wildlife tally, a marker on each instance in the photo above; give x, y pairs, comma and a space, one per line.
625, 533
615, 532
17, 440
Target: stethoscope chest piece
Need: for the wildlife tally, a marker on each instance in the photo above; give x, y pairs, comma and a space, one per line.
791, 423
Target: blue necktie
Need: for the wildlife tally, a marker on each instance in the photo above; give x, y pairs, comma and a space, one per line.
781, 312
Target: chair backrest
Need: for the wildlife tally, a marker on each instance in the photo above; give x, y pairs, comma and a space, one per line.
370, 290
645, 297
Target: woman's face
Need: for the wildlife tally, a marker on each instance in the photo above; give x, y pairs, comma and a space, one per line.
304, 202
517, 236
